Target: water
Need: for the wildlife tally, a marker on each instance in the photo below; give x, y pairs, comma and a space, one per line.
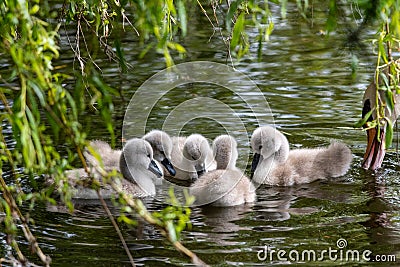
314, 99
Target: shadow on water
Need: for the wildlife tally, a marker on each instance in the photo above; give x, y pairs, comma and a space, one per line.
314, 100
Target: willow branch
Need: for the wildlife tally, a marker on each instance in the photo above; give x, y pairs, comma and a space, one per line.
146, 215
25, 228
70, 133
121, 237
388, 43
16, 213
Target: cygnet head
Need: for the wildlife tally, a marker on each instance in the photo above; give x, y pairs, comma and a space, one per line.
137, 164
225, 152
268, 142
196, 150
162, 146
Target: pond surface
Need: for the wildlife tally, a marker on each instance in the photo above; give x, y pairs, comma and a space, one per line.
306, 79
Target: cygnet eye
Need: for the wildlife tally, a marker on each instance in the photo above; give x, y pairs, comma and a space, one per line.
260, 147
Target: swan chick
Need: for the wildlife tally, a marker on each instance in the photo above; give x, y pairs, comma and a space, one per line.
161, 144
137, 167
227, 185
274, 164
191, 156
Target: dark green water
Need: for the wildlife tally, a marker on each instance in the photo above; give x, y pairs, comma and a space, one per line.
307, 81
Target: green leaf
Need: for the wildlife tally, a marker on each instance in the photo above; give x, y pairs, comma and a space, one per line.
171, 7
231, 12
385, 80
389, 100
179, 48
362, 121
388, 133
120, 55
55, 127
34, 9
127, 220
268, 30
168, 59
182, 17
38, 91
145, 50
237, 31
331, 22
283, 8
171, 231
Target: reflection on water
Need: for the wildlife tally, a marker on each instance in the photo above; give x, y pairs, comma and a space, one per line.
311, 216
307, 81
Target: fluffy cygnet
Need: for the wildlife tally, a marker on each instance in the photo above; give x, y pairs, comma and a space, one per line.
191, 156
274, 164
136, 164
227, 185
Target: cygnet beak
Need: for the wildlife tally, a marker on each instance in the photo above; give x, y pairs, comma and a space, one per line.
154, 169
254, 163
168, 165
200, 169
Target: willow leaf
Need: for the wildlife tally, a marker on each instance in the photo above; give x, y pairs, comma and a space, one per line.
362, 121
237, 31
388, 133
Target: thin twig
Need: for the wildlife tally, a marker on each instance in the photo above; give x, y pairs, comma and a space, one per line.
86, 46
124, 17
78, 51
70, 133
121, 237
388, 43
8, 197
103, 173
397, 143
226, 40
146, 215
205, 14
25, 228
